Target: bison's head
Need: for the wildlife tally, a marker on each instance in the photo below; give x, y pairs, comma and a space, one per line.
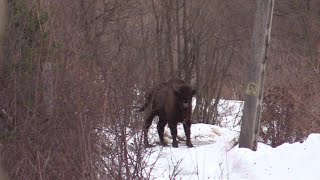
184, 94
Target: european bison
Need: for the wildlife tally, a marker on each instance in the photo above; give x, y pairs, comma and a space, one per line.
171, 101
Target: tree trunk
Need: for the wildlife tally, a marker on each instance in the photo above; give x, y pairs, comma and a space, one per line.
47, 74
144, 53
3, 21
185, 42
161, 65
3, 16
168, 16
178, 39
255, 80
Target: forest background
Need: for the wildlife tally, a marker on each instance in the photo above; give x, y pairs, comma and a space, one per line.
71, 71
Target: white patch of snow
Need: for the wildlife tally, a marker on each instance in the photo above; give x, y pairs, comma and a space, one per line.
214, 158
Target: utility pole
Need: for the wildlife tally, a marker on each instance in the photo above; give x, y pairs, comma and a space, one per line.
255, 78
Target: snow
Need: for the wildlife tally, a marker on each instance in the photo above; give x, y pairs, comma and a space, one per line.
214, 156
288, 161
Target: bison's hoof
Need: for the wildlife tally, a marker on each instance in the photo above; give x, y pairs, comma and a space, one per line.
175, 145
190, 145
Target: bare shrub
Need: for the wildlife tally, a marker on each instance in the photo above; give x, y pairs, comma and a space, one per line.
284, 119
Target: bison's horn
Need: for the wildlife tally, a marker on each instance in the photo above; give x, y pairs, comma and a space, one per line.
176, 88
185, 105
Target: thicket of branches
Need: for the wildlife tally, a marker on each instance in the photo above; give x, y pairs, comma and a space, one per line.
291, 109
71, 71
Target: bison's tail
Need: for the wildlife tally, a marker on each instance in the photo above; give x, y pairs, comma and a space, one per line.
139, 109
148, 99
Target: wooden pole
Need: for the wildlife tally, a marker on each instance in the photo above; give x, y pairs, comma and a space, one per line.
256, 71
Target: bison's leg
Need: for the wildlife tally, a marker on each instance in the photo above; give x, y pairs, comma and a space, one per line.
173, 129
161, 124
147, 125
186, 127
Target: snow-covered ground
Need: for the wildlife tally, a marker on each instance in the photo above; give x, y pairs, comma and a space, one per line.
214, 157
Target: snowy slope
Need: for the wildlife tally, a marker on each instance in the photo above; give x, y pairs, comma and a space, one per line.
214, 158
288, 161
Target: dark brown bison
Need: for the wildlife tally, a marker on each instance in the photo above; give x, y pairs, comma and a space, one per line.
171, 101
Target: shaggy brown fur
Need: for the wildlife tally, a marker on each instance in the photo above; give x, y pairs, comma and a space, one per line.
171, 101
